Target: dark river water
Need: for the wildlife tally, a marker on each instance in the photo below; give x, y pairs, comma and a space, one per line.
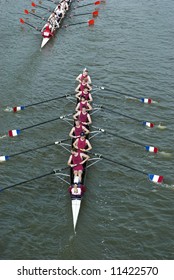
123, 215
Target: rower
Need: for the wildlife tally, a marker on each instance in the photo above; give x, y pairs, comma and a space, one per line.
82, 85
83, 103
84, 75
83, 116
82, 144
86, 94
76, 161
77, 129
47, 30
64, 5
59, 13
77, 190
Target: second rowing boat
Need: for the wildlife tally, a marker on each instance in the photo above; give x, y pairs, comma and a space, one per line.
47, 35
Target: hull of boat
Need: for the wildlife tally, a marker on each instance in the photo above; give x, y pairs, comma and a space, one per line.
44, 42
76, 203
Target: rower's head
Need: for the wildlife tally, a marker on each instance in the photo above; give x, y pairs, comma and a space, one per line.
84, 81
82, 135
74, 150
83, 109
75, 188
85, 89
77, 122
82, 98
85, 71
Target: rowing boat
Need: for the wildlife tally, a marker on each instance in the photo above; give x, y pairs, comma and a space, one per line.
45, 40
76, 201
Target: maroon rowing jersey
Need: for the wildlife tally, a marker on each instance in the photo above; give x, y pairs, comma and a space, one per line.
83, 117
76, 160
81, 144
85, 95
78, 130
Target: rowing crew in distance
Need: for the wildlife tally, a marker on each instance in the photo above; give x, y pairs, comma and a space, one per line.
53, 22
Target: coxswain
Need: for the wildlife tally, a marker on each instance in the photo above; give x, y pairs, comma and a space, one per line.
47, 31
83, 84
83, 116
82, 144
77, 129
76, 161
77, 190
83, 103
86, 94
84, 75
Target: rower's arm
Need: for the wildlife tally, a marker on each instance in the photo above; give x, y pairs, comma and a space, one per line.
85, 130
75, 117
89, 119
75, 144
90, 88
90, 97
78, 78
69, 161
77, 107
77, 88
89, 145
71, 133
78, 95
86, 157
89, 106
89, 79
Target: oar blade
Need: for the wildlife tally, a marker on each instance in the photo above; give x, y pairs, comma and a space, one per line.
91, 22
26, 12
146, 100
14, 132
4, 158
18, 108
155, 178
148, 124
95, 13
33, 4
97, 3
151, 149
22, 21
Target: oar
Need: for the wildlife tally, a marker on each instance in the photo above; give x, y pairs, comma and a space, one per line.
89, 22
7, 157
24, 22
89, 4
39, 6
19, 108
35, 178
145, 123
27, 12
94, 14
147, 148
141, 99
16, 132
152, 177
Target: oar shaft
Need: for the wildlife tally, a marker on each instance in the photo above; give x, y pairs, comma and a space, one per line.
32, 26
37, 148
48, 100
52, 120
118, 113
80, 15
27, 181
84, 5
121, 93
